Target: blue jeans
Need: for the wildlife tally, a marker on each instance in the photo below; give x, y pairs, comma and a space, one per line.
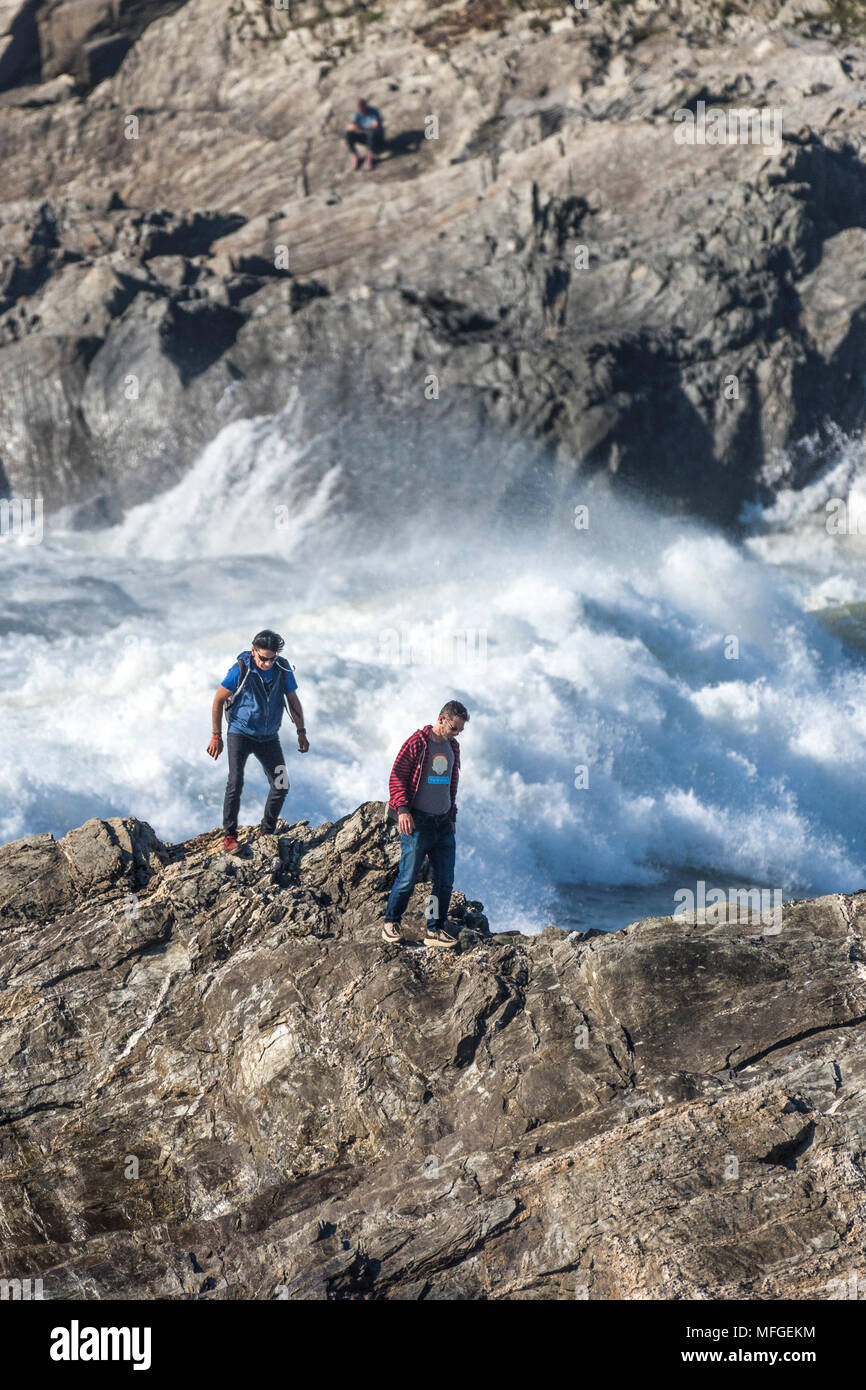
434, 836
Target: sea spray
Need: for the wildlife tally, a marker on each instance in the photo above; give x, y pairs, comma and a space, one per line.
722, 730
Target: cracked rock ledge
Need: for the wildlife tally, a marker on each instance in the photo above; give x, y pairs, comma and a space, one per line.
217, 1081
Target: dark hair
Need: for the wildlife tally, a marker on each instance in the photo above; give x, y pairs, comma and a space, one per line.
268, 641
454, 710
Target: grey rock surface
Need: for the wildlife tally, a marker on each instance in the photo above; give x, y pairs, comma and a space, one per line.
146, 201
218, 1082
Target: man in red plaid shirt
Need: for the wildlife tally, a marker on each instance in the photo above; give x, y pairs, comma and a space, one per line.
423, 798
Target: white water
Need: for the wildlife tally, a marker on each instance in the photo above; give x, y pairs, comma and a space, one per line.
604, 648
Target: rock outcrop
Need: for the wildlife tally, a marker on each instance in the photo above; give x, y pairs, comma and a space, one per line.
218, 1082
182, 245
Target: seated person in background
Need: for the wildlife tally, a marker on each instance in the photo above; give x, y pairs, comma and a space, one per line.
365, 128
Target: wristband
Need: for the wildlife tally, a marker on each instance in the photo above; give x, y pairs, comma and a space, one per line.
302, 730
216, 734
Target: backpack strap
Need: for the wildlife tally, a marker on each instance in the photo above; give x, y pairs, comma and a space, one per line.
244, 673
284, 667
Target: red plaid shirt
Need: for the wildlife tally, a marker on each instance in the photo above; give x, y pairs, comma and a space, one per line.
407, 769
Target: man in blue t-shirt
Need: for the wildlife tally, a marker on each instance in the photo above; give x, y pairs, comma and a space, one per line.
254, 696
365, 128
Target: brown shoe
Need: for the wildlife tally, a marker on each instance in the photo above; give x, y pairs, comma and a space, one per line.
437, 937
391, 933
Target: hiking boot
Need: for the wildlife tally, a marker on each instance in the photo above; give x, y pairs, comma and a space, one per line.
230, 845
391, 933
437, 937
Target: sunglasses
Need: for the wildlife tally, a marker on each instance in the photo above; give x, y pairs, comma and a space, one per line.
267, 660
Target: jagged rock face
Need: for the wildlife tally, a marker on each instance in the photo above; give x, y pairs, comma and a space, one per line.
218, 1081
151, 251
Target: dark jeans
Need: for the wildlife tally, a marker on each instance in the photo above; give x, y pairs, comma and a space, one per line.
270, 755
434, 836
373, 139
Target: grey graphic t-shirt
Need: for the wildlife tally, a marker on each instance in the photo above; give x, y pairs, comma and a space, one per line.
434, 789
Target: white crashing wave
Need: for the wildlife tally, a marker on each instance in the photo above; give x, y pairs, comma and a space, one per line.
649, 700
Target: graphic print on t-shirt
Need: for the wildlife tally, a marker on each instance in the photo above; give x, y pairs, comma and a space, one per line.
433, 793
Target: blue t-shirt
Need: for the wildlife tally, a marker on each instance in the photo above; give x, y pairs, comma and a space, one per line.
367, 120
231, 679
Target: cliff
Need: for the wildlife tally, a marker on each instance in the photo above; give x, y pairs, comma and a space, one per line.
217, 1081
182, 245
